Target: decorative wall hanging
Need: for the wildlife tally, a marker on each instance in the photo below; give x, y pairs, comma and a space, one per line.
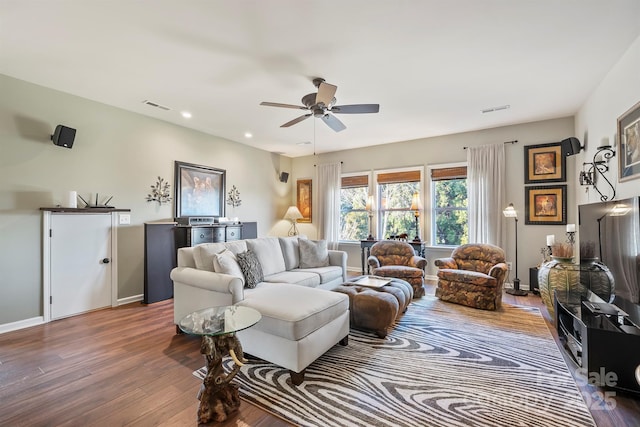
628, 130
544, 163
233, 198
303, 201
545, 205
595, 170
200, 190
160, 192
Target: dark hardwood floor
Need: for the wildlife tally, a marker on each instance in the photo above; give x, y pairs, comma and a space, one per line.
126, 366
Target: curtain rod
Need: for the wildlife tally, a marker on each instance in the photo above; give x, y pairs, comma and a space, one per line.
342, 163
515, 141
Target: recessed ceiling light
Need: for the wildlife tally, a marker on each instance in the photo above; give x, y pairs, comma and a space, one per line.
248, 135
303, 143
492, 109
186, 114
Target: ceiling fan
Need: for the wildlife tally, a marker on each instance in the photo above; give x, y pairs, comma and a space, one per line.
322, 104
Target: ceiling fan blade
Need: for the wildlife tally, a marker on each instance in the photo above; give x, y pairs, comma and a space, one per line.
326, 92
276, 104
333, 122
297, 120
355, 109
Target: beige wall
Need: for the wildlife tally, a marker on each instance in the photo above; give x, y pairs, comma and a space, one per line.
115, 153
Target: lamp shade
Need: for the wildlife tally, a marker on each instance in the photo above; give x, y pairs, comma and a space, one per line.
369, 205
415, 202
510, 211
293, 214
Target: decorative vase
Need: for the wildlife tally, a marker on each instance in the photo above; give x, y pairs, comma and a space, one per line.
597, 277
558, 275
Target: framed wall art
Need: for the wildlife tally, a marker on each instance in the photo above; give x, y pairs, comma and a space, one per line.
200, 190
303, 199
546, 205
544, 163
628, 142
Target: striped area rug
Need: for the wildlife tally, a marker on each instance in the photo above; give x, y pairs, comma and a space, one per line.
442, 365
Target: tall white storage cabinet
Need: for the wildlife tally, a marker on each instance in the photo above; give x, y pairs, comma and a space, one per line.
80, 263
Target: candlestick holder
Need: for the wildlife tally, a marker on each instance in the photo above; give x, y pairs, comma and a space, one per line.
571, 237
546, 254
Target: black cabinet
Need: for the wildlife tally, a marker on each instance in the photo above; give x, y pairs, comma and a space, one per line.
159, 260
186, 235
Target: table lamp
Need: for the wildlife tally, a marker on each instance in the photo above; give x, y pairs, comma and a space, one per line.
293, 214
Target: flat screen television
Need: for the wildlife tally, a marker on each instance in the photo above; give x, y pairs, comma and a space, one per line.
611, 230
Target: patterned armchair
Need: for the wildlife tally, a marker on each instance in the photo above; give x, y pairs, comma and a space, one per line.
393, 258
472, 276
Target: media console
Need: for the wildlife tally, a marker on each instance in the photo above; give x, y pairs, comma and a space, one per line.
602, 339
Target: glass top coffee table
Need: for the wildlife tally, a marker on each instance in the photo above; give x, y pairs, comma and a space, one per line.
217, 326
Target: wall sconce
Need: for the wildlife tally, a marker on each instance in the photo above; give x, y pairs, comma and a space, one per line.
415, 207
599, 166
369, 209
293, 214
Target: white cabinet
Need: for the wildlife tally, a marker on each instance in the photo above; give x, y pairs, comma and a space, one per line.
79, 261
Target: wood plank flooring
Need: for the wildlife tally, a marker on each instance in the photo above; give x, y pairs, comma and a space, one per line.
126, 366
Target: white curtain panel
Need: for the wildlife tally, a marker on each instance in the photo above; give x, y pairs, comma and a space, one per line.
329, 175
486, 193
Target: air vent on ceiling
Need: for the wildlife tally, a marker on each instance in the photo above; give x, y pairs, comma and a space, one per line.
490, 110
153, 104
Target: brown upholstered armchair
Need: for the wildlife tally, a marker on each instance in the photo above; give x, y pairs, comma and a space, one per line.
473, 276
394, 258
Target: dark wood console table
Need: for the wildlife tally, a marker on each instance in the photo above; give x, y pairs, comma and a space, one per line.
365, 248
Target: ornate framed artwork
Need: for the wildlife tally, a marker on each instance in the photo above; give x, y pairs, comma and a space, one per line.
200, 190
303, 199
628, 131
544, 163
545, 205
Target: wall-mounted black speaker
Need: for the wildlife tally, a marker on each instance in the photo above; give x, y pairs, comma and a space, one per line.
284, 177
570, 146
63, 136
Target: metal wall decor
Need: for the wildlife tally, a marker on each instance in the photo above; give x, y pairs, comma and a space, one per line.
598, 167
160, 192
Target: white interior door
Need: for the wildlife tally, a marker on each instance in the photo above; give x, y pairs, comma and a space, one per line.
80, 269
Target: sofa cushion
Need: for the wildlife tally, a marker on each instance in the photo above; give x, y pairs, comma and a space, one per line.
313, 253
226, 263
297, 277
269, 253
293, 311
251, 268
290, 251
327, 274
203, 253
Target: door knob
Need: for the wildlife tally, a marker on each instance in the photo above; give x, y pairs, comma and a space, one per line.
106, 261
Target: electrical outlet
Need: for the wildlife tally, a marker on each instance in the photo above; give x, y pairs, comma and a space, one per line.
509, 265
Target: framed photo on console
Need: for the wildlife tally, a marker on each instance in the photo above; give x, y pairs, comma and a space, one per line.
546, 205
628, 130
200, 190
544, 163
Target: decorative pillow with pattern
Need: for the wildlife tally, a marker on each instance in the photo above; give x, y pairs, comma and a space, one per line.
313, 253
251, 268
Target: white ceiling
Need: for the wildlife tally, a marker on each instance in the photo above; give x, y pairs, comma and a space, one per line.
432, 65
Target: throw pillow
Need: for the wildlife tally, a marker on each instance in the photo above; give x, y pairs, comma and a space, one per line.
313, 253
251, 268
225, 262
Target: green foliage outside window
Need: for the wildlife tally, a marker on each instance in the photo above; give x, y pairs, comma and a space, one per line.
354, 219
450, 212
396, 215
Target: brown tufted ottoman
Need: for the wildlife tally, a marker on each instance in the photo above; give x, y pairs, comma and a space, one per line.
375, 309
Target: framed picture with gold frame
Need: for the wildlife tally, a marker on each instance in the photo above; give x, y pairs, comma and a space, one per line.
303, 199
628, 127
544, 163
545, 205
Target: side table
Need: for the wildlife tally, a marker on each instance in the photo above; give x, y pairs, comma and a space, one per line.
217, 326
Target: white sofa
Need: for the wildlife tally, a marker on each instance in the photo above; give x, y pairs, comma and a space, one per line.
301, 320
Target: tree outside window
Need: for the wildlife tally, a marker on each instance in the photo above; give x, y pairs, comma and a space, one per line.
395, 215
450, 226
354, 218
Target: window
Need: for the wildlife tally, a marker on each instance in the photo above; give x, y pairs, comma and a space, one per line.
354, 218
449, 216
395, 192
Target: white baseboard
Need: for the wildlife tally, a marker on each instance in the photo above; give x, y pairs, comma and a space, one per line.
129, 300
21, 324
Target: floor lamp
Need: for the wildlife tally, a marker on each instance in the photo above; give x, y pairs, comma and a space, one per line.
510, 212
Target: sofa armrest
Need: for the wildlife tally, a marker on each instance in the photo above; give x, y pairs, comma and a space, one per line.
446, 263
499, 271
373, 262
339, 258
418, 262
215, 282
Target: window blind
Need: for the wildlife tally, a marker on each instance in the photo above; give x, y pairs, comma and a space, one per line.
448, 173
